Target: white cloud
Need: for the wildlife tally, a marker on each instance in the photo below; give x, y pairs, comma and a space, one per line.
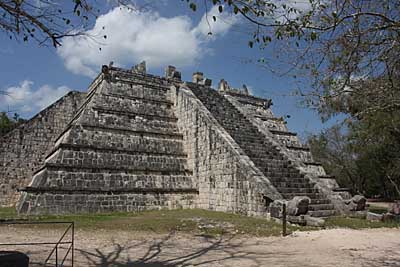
136, 36
220, 26
26, 100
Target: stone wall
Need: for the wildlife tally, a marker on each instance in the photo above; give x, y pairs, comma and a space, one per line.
99, 202
227, 179
24, 149
121, 152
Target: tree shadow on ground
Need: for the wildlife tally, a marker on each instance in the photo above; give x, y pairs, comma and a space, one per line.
164, 253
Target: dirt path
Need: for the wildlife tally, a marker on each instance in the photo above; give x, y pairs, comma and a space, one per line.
337, 247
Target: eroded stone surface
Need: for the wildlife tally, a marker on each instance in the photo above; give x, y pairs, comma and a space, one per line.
23, 150
138, 141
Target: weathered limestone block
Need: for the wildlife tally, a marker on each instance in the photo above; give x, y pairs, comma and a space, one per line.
313, 221
23, 150
389, 217
197, 77
58, 203
172, 73
374, 216
223, 86
356, 203
276, 208
140, 68
395, 208
298, 205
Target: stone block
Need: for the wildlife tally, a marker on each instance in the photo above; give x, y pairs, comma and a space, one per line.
313, 221
356, 203
276, 208
374, 216
395, 208
298, 205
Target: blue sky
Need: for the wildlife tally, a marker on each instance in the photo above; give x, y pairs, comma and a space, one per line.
167, 34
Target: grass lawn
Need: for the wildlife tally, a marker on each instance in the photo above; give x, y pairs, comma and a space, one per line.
377, 209
194, 221
356, 223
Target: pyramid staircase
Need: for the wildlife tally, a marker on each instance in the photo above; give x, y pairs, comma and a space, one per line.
121, 152
283, 175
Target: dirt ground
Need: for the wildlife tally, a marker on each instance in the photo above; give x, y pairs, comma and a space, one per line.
336, 247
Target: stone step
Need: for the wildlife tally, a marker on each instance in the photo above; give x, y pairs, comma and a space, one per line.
312, 163
174, 135
294, 185
122, 141
285, 162
279, 178
79, 179
322, 213
326, 177
315, 207
154, 84
268, 166
288, 178
298, 148
250, 140
320, 201
286, 133
295, 190
135, 91
137, 123
280, 164
113, 169
290, 196
262, 154
127, 113
271, 161
260, 148
129, 105
123, 96
240, 131
96, 159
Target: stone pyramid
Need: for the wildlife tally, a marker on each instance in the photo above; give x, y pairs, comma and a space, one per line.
121, 152
142, 142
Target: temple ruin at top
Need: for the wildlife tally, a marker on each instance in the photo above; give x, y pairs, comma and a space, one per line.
135, 141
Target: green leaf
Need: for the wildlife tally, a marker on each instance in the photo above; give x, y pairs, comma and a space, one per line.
235, 10
193, 6
313, 36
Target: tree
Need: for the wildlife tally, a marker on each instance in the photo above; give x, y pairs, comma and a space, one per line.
332, 148
8, 124
340, 44
363, 155
48, 21
350, 51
